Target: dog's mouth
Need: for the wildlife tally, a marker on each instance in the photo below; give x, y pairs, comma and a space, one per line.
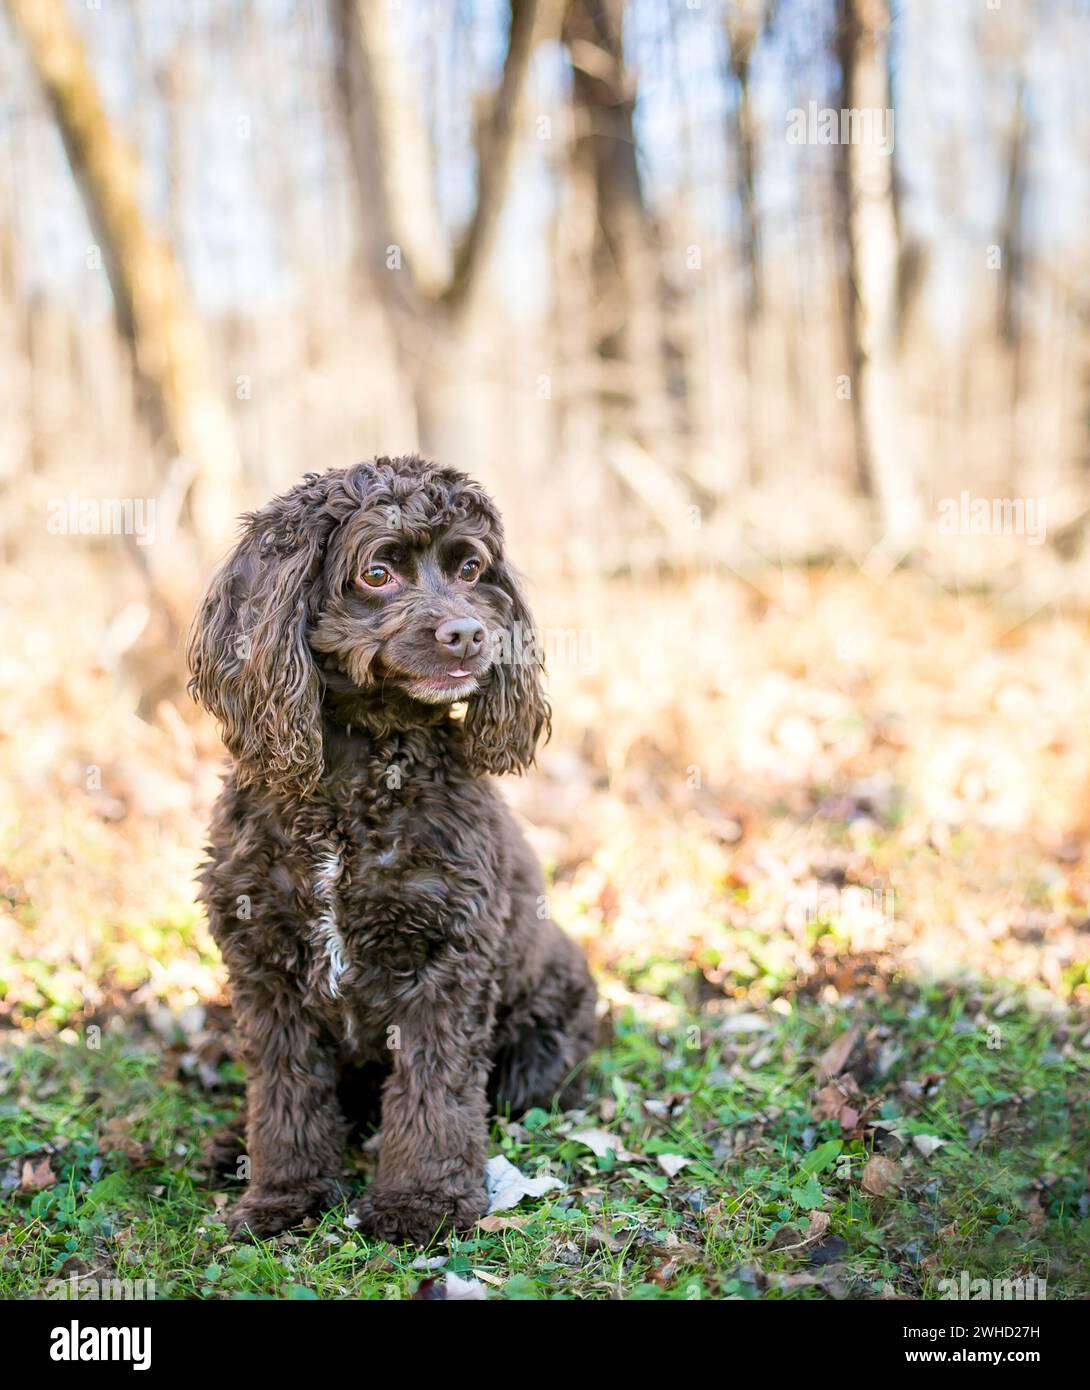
457, 684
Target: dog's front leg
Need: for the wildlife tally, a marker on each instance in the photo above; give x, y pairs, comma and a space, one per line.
294, 1127
434, 1125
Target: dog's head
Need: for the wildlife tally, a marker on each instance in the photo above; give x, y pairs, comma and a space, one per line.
387, 580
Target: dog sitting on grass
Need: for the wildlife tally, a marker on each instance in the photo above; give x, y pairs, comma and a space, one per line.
379, 911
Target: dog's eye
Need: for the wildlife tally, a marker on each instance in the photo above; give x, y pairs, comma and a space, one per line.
375, 576
469, 570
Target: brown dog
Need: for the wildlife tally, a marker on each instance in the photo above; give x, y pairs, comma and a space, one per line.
380, 913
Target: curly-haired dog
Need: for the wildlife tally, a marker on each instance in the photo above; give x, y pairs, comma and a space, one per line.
378, 909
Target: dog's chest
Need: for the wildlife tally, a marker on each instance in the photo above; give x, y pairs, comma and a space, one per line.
395, 905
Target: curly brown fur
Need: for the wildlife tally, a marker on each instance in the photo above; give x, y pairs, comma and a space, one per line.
379, 911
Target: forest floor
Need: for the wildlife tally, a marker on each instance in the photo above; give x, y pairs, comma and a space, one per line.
824, 842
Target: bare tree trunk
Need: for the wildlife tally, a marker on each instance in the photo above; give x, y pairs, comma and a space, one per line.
427, 289
883, 464
911, 253
628, 280
578, 415
1012, 271
1012, 250
745, 22
150, 298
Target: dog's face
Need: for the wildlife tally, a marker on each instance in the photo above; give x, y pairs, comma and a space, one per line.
388, 580
414, 606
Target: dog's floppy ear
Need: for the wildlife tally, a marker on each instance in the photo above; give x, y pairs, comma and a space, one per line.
248, 656
504, 722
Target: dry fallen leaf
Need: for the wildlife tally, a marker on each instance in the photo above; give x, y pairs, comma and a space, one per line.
835, 1057
430, 1262
601, 1142
832, 1102
38, 1176
672, 1164
788, 1238
502, 1223
880, 1175
927, 1144
667, 1107
459, 1290
506, 1186
894, 1128
598, 1237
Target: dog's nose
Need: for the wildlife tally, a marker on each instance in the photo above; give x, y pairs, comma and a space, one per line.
461, 637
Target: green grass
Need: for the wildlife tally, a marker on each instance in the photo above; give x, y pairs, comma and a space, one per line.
1005, 1195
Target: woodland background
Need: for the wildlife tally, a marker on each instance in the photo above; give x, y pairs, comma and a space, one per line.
820, 760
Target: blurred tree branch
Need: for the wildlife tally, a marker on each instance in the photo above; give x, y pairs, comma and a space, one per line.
425, 288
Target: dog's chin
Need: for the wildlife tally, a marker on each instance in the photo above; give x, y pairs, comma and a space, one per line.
440, 690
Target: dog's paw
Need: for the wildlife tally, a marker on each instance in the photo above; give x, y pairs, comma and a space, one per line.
414, 1217
266, 1211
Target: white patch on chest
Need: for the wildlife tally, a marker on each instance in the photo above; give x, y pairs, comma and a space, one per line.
328, 928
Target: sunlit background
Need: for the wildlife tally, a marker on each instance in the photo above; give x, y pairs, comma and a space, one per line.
791, 436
